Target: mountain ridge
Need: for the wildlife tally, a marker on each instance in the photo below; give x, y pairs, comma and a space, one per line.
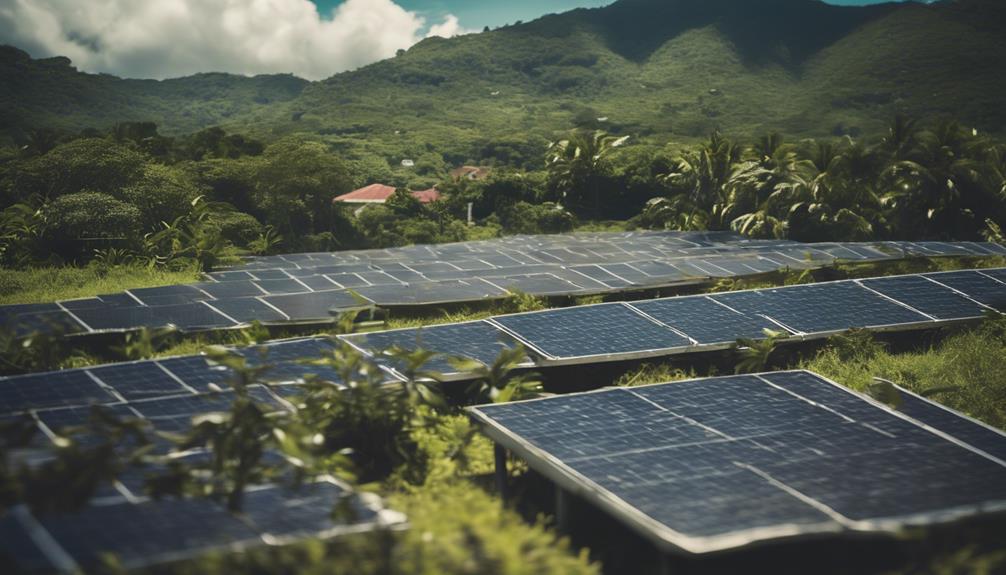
661, 70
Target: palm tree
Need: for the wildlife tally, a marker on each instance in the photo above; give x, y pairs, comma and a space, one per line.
933, 195
697, 180
577, 166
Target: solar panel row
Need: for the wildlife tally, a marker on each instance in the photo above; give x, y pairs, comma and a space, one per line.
584, 334
712, 464
315, 287
141, 531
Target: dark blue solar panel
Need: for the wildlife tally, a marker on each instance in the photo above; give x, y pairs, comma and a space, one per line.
975, 285
247, 310
347, 280
712, 458
60, 420
169, 295
319, 283
706, 321
996, 273
431, 292
138, 380
269, 275
184, 316
323, 305
54, 322
474, 340
819, 308
978, 435
48, 390
590, 331
308, 510
196, 372
145, 533
231, 289
926, 296
281, 286
538, 284
599, 274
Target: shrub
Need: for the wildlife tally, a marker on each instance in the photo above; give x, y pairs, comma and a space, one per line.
547, 218
238, 228
91, 215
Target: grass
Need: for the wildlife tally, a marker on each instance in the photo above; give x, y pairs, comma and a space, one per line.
966, 371
42, 285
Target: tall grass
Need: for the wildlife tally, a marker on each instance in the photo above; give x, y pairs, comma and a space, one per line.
40, 285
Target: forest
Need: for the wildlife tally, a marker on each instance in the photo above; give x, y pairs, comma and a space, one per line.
133, 196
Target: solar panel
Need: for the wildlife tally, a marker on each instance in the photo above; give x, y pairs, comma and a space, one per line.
590, 331
821, 308
49, 390
231, 289
247, 310
927, 296
314, 306
718, 463
973, 432
537, 284
704, 320
196, 371
139, 380
477, 340
976, 285
430, 293
281, 286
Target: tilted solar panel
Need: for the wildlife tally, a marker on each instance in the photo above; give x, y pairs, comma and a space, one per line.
590, 331
718, 463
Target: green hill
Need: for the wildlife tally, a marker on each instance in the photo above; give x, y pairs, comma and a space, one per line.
651, 68
51, 93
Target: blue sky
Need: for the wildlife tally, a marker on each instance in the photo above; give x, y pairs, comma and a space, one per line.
475, 14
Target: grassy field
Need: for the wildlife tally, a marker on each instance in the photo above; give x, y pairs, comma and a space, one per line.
41, 285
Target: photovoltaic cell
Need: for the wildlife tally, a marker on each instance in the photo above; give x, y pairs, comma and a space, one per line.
314, 306
972, 432
704, 320
138, 380
926, 296
821, 308
247, 310
598, 330
723, 462
196, 371
49, 390
977, 286
433, 292
478, 340
145, 533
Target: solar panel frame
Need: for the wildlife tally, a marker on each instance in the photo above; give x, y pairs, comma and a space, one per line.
670, 540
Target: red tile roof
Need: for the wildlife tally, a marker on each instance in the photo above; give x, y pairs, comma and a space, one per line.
427, 196
372, 194
379, 193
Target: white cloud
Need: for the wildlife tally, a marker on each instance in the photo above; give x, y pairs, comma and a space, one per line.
170, 38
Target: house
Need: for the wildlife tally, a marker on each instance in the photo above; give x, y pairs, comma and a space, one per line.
470, 173
379, 193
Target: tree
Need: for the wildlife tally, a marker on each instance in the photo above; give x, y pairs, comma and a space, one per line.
577, 168
297, 182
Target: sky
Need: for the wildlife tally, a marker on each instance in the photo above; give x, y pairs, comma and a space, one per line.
313, 39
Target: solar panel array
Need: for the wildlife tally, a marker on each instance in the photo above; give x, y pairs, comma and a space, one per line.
713, 464
583, 334
166, 393
313, 287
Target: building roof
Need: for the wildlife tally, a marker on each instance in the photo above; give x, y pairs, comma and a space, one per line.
372, 194
379, 193
470, 172
427, 196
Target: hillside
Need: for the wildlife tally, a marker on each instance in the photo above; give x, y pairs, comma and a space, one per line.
52, 93
658, 68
